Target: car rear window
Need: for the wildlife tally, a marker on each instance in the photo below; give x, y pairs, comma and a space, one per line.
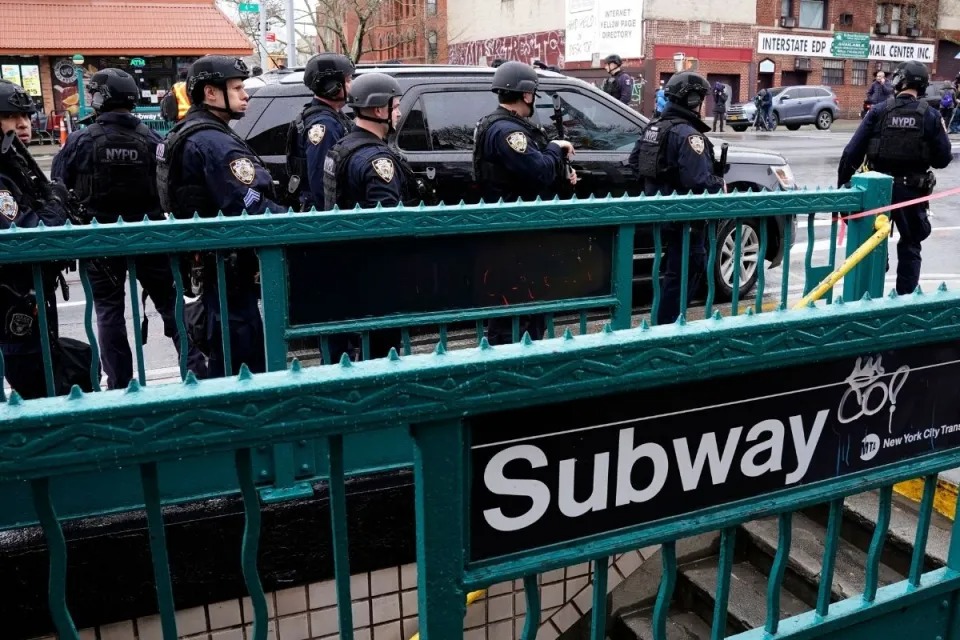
268, 137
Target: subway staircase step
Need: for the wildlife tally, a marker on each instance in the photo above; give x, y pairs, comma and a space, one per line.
859, 522
807, 548
747, 603
681, 625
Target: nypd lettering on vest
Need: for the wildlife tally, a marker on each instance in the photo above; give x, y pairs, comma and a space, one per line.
903, 122
123, 155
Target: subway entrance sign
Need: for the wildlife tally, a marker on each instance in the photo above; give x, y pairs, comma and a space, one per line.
560, 472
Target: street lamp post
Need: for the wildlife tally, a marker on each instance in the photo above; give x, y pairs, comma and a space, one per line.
78, 66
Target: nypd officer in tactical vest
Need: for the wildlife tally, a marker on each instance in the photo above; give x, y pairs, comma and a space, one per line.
512, 159
362, 170
25, 201
111, 166
319, 126
204, 167
673, 156
903, 137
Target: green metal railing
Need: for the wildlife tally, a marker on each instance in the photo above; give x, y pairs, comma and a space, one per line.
74, 456
276, 235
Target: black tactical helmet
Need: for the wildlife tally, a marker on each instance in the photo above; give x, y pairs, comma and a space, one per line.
515, 76
326, 74
911, 75
687, 89
372, 90
613, 59
13, 99
113, 89
215, 70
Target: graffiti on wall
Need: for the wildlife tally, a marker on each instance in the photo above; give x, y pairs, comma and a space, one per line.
546, 46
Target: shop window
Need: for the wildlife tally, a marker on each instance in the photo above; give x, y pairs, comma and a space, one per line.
860, 72
813, 14
833, 72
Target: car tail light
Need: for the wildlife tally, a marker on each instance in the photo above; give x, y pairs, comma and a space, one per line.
836, 101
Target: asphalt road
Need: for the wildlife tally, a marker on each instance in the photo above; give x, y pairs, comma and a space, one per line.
813, 156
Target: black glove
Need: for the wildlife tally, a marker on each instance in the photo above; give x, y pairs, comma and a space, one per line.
56, 192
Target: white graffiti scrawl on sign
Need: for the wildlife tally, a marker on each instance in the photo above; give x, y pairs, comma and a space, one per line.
546, 46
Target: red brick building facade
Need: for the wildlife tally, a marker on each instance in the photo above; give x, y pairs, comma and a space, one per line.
412, 31
897, 31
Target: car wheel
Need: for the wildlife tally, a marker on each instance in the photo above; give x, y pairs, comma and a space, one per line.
774, 121
739, 128
824, 120
750, 258
793, 127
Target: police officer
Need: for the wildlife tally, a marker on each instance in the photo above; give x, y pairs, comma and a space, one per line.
204, 167
673, 156
25, 202
319, 126
362, 170
512, 159
619, 84
903, 137
111, 166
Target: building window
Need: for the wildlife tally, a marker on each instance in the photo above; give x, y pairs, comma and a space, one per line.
895, 13
833, 72
860, 71
812, 14
786, 8
432, 46
431, 7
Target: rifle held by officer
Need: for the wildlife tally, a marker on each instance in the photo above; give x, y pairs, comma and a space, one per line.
557, 118
76, 212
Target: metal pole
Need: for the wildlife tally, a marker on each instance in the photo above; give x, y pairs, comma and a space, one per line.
82, 105
263, 35
291, 37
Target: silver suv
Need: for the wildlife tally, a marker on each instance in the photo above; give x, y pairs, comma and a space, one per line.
792, 107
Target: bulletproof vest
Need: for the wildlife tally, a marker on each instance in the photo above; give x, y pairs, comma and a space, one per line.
183, 200
897, 146
120, 179
610, 86
652, 155
652, 160
335, 169
296, 150
495, 180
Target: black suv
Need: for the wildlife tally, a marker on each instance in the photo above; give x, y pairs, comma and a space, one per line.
441, 106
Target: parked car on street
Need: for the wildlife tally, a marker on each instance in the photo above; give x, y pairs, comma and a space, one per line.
441, 105
793, 107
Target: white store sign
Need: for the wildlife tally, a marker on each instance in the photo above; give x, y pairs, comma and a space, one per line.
819, 47
603, 27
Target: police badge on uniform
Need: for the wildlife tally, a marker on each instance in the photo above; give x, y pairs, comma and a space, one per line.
696, 143
243, 170
384, 168
316, 133
20, 325
517, 141
8, 206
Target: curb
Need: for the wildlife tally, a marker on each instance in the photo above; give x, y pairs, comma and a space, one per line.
944, 498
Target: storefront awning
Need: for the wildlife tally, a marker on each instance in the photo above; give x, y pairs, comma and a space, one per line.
92, 27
